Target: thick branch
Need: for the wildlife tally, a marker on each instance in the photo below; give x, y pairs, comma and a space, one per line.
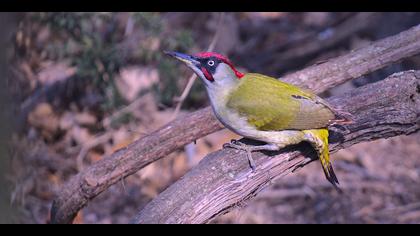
223, 179
101, 175
359, 62
301, 51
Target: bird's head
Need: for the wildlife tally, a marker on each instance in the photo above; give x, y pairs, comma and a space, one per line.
214, 69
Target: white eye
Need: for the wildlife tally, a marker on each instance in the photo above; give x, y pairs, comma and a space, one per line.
210, 63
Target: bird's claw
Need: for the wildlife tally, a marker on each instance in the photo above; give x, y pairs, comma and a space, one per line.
251, 161
234, 141
229, 145
234, 144
241, 146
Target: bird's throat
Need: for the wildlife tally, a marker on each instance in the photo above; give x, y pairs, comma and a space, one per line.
219, 96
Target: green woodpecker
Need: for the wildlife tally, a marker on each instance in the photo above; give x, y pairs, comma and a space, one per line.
263, 108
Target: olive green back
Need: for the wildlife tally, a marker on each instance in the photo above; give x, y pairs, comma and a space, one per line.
270, 104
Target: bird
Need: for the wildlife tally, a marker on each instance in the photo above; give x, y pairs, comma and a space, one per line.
264, 108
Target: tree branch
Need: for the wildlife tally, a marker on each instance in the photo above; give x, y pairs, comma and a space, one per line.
223, 179
301, 51
97, 178
359, 62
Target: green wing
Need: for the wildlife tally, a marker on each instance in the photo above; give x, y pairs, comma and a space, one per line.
270, 104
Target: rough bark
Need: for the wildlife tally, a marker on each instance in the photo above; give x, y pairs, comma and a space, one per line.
97, 178
223, 179
359, 62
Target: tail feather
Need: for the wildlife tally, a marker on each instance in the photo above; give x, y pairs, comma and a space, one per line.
327, 167
319, 140
331, 177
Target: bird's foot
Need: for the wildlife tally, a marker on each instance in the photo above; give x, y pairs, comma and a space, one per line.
232, 141
250, 148
235, 144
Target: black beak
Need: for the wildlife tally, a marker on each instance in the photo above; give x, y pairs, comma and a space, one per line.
187, 59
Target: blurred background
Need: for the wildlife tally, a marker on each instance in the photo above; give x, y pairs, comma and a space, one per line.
78, 86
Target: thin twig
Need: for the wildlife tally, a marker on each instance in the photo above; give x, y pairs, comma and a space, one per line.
193, 77
86, 147
132, 106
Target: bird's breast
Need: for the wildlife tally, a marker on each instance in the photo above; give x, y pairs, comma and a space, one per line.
235, 122
230, 118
